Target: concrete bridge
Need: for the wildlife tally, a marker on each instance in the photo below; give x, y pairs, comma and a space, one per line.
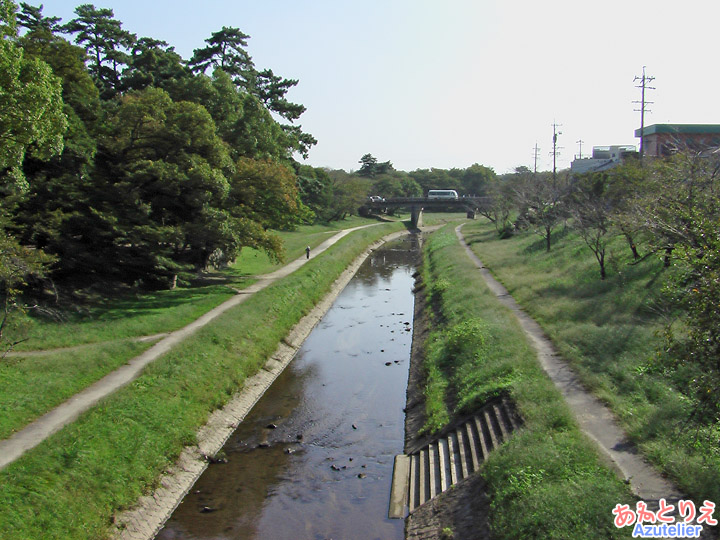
416, 205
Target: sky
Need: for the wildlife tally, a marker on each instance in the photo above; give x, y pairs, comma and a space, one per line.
450, 83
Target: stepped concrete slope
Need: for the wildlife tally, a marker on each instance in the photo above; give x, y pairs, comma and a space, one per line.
451, 458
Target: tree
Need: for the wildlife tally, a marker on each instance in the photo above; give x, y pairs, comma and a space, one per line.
227, 50
476, 178
501, 203
17, 264
591, 207
169, 178
79, 93
31, 17
248, 127
673, 189
266, 191
542, 202
271, 89
316, 191
298, 140
626, 184
369, 165
386, 186
153, 63
57, 185
226, 53
694, 350
106, 43
162, 170
243, 122
435, 179
679, 206
410, 188
31, 123
31, 109
349, 192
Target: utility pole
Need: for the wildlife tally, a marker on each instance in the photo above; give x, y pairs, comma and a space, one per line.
536, 156
644, 80
580, 141
555, 149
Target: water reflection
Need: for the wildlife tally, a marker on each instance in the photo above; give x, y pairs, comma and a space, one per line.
314, 457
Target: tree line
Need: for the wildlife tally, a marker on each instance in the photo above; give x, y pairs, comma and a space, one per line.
382, 179
667, 208
122, 160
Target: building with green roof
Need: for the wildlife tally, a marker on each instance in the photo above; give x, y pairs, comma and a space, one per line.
665, 139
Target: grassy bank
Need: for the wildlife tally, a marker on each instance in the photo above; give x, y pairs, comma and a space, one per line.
70, 486
548, 480
610, 332
31, 386
104, 328
122, 316
128, 315
252, 261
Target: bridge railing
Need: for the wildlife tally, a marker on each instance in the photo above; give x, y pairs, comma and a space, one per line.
403, 201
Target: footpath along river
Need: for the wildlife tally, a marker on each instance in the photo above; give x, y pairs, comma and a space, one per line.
314, 458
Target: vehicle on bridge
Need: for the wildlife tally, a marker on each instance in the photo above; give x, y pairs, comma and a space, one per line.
442, 194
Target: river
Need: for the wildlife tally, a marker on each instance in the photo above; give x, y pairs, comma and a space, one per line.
314, 458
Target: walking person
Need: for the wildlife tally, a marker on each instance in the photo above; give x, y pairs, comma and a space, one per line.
307, 252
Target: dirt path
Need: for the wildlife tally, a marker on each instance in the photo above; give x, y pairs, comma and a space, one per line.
42, 428
595, 419
47, 352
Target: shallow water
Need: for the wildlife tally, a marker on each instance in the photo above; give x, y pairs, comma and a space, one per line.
314, 457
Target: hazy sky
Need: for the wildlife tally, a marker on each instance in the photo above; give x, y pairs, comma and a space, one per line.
448, 84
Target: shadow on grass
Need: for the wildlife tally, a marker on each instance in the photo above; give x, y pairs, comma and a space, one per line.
115, 303
540, 244
478, 237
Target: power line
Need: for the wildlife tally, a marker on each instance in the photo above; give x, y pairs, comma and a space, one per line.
644, 80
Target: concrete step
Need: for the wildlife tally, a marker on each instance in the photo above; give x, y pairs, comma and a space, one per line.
399, 495
423, 477
433, 469
462, 449
451, 458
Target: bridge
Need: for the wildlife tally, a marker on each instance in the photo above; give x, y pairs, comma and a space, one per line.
416, 205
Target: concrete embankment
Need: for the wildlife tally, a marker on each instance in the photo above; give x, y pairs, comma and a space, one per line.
148, 516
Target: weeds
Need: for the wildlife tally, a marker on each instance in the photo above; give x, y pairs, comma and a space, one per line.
547, 481
610, 331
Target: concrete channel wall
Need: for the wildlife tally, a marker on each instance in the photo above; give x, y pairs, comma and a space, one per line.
146, 519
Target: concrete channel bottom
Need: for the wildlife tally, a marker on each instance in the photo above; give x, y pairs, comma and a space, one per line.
455, 455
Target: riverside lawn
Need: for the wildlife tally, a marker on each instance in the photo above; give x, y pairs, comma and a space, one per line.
71, 486
610, 332
548, 480
91, 338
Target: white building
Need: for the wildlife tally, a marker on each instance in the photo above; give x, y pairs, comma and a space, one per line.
603, 158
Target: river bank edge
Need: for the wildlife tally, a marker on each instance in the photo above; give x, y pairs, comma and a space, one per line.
146, 518
462, 512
